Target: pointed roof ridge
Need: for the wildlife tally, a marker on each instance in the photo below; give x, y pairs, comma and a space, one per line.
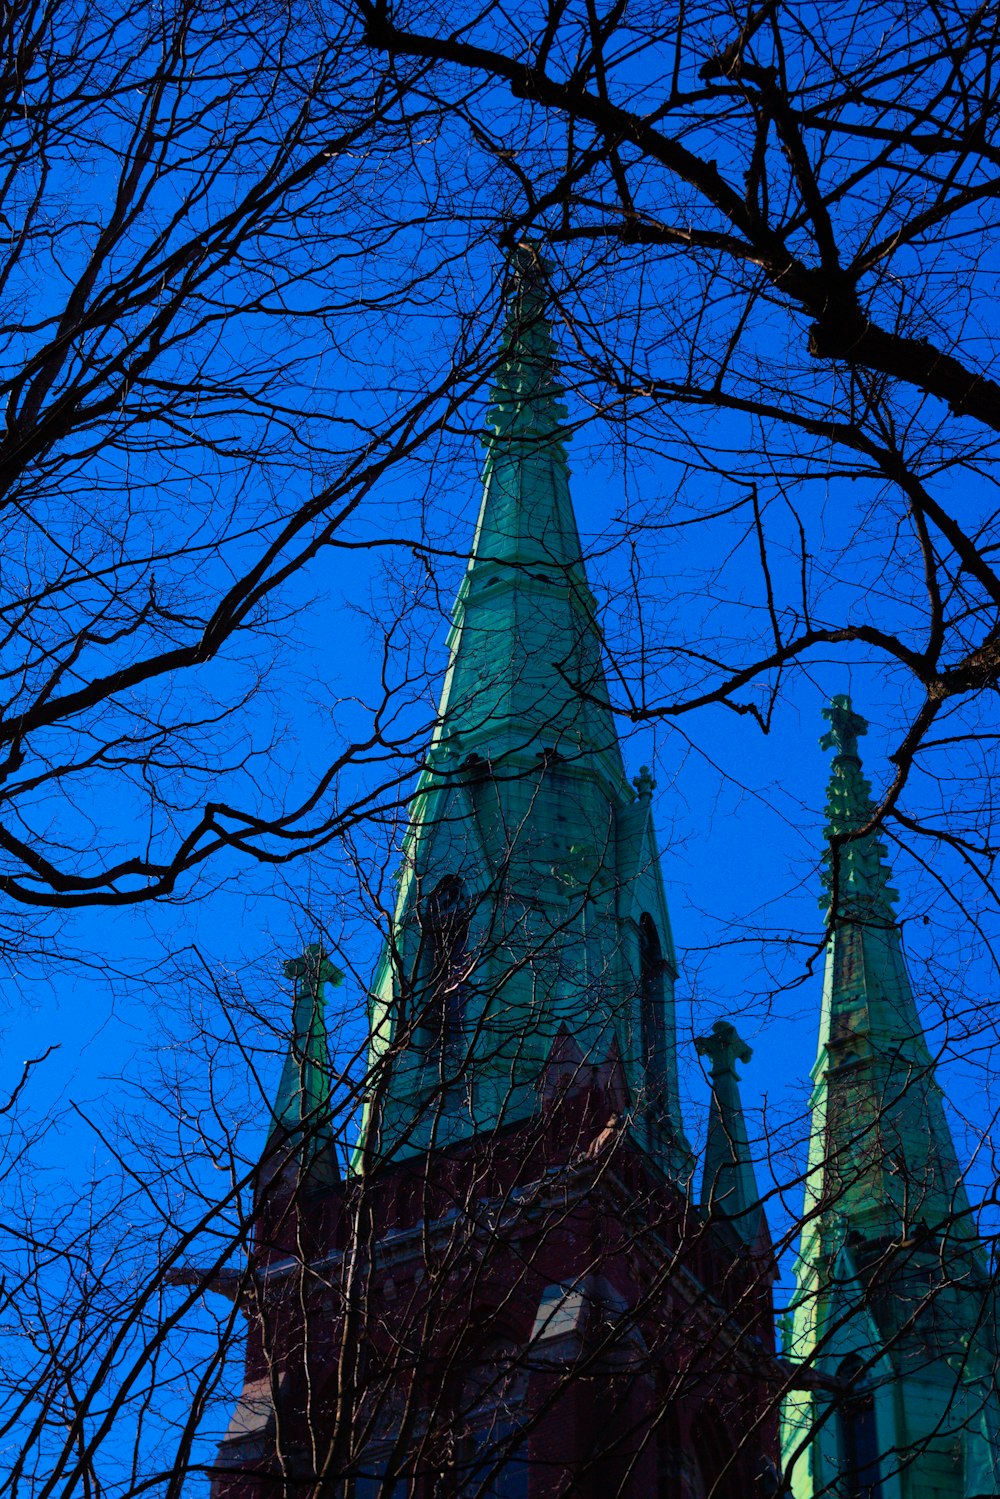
301, 1110
889, 1256
868, 1001
856, 873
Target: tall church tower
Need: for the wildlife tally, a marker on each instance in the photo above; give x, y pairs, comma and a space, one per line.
531, 904
893, 1310
514, 1291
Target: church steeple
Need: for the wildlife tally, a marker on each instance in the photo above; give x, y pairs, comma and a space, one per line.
529, 863
514, 1291
902, 1166
892, 1296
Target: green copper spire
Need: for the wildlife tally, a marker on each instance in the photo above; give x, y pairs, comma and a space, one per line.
301, 1113
531, 903
869, 1013
892, 1295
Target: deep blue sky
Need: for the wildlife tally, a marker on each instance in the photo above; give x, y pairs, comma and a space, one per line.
739, 814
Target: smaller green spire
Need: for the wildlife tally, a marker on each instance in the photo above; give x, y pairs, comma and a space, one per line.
301, 1112
861, 886
890, 1267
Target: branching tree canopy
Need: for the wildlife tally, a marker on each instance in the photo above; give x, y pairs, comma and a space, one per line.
232, 238
774, 237
248, 289
190, 418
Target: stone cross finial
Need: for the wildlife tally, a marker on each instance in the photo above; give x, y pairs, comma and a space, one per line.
724, 1048
644, 783
845, 727
314, 967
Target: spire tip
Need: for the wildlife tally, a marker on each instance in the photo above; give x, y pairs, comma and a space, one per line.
853, 868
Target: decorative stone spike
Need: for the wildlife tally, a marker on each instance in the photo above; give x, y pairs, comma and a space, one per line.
301, 1114
729, 1185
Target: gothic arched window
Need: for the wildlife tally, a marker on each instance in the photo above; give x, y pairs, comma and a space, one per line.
493, 1458
672, 1461
718, 1467
372, 1484
444, 930
651, 1003
858, 1434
